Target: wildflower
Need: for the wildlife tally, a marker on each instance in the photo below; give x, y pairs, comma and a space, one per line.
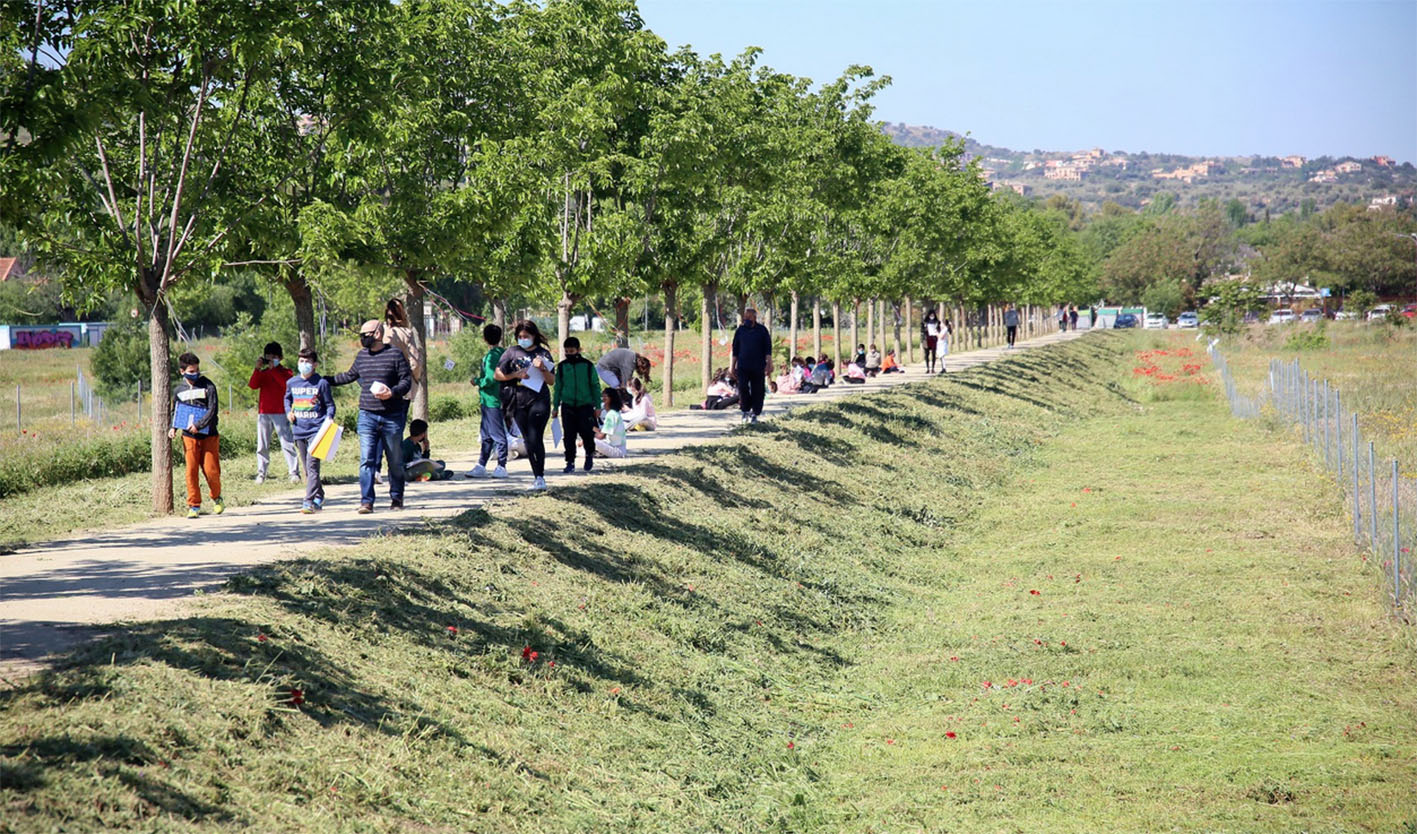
791, 746
261, 638
526, 652
452, 631
534, 656
950, 734
1035, 592
954, 659
551, 663
890, 741
297, 697
987, 684
614, 690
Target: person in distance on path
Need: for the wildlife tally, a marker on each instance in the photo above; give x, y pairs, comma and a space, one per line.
1011, 323
577, 395
930, 336
493, 429
268, 378
1073, 317
750, 364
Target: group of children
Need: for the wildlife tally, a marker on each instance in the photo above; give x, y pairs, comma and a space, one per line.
808, 375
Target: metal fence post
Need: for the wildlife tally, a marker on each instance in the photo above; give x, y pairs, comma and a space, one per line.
19, 416
73, 402
1338, 437
1372, 502
1327, 456
1357, 502
1396, 543
140, 404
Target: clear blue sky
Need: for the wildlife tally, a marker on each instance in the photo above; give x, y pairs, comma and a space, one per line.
1313, 78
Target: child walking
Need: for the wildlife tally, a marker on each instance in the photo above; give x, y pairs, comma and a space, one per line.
576, 388
269, 379
194, 408
308, 404
493, 430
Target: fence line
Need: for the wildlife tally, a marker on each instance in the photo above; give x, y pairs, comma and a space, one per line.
1383, 510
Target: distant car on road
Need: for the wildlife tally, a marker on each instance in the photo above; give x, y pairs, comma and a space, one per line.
1124, 320
1154, 321
1347, 315
1379, 312
1188, 319
1311, 315
1281, 316
1410, 311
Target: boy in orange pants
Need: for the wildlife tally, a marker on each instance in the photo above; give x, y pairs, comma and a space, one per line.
194, 413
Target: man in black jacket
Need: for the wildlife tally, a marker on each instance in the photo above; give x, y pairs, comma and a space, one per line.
384, 378
751, 363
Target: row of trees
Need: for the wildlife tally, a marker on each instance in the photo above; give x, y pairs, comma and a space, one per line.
549, 153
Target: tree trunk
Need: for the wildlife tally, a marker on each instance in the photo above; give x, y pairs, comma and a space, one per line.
881, 314
499, 313
622, 322
742, 305
836, 333
413, 305
706, 338
870, 321
792, 326
817, 326
304, 301
563, 323
159, 355
895, 329
670, 305
855, 331
909, 333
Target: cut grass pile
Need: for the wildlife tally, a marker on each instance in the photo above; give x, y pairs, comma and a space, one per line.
787, 630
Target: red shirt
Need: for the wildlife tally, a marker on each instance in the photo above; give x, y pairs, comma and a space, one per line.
271, 383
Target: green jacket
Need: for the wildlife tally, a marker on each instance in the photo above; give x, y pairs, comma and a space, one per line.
489, 390
577, 383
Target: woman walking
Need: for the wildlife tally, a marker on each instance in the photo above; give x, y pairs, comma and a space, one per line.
930, 337
526, 373
398, 333
942, 346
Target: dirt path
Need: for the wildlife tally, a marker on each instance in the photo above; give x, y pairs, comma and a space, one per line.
53, 594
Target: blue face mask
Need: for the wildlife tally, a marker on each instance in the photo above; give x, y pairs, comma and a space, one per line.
306, 368
275, 363
192, 377
525, 342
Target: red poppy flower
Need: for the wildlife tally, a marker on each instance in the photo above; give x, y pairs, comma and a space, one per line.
551, 663
954, 659
261, 638
297, 697
1087, 489
987, 684
950, 734
526, 652
890, 741
614, 690
534, 656
1067, 683
1028, 681
790, 745
453, 630
1035, 592
1037, 642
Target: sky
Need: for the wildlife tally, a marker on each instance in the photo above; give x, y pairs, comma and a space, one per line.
1196, 78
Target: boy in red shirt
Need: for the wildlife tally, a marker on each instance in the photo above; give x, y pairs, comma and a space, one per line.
269, 379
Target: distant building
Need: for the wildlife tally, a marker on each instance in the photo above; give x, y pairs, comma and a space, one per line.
1069, 173
1384, 161
9, 268
1188, 174
1383, 202
1016, 187
1292, 161
1349, 167
1326, 175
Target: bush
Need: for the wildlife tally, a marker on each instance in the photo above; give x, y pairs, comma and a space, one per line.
445, 408
121, 361
1315, 338
466, 349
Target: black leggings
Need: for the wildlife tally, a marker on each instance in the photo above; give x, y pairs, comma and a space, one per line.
531, 415
1013, 334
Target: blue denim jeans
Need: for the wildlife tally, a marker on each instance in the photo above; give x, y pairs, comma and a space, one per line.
380, 434
494, 435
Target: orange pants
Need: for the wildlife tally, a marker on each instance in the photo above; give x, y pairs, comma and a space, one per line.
203, 453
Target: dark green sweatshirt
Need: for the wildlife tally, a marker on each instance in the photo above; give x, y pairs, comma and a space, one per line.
577, 383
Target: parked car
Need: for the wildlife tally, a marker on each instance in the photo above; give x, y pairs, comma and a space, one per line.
1281, 316
1154, 321
1188, 319
1347, 315
1311, 315
1410, 311
1379, 312
1124, 320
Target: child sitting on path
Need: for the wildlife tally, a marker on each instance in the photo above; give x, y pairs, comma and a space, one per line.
873, 362
417, 465
890, 366
639, 412
610, 437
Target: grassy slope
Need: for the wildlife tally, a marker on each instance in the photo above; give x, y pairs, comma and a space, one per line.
807, 582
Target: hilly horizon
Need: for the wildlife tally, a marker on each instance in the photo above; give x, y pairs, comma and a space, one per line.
1265, 184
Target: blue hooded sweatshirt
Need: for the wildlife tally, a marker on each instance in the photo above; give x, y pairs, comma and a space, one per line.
311, 402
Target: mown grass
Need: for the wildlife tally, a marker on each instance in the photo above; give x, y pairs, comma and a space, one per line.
778, 632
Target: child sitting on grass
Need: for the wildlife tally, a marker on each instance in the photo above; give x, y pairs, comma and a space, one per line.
890, 366
417, 465
194, 413
639, 411
873, 362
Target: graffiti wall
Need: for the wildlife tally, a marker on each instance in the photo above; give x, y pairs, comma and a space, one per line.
43, 338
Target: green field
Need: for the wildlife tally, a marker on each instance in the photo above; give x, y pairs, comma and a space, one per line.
1041, 595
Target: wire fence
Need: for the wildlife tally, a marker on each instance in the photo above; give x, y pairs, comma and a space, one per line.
1381, 501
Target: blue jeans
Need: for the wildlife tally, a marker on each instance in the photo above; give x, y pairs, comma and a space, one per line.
494, 434
380, 434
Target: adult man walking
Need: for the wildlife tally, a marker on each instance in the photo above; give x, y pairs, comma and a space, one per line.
384, 378
750, 364
1011, 323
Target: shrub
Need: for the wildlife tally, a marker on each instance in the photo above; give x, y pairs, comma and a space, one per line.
466, 349
445, 408
120, 362
1315, 338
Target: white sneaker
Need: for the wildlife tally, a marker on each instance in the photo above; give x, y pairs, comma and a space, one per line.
538, 485
478, 471
499, 472
260, 479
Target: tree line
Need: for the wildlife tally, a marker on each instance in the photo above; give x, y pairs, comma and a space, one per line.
548, 153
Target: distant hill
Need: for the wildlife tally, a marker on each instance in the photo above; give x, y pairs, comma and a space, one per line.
1264, 184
